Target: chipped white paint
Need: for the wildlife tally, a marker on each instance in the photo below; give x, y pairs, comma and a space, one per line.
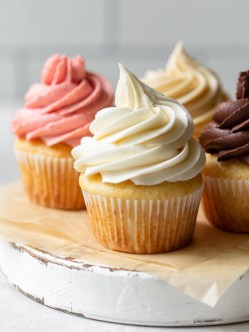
115, 295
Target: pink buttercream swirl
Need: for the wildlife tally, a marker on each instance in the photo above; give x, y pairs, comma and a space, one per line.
61, 107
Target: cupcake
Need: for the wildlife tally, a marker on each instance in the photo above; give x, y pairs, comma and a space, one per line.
57, 112
192, 84
226, 141
140, 172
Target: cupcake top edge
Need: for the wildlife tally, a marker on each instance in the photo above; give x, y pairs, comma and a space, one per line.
61, 107
146, 138
228, 134
191, 83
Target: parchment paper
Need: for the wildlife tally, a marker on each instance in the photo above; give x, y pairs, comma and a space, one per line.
204, 270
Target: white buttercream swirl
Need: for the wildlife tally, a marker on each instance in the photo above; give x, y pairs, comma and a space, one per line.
146, 138
192, 84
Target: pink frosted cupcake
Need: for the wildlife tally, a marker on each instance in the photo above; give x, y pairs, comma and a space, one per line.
56, 115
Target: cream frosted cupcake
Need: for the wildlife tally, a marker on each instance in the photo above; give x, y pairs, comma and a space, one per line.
140, 172
192, 84
226, 141
56, 114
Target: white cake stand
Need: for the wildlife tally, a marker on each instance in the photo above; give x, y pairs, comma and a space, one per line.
114, 295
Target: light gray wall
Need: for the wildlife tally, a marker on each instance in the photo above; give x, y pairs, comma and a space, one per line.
139, 33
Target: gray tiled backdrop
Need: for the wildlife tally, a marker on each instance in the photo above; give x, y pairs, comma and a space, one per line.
139, 33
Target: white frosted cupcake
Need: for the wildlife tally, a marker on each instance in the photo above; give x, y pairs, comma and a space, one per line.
140, 172
192, 84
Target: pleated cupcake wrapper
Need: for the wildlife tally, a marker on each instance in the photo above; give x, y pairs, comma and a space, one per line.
50, 181
225, 203
220, 185
143, 225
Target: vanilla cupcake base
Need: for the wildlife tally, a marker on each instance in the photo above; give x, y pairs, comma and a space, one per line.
142, 225
48, 176
225, 203
226, 194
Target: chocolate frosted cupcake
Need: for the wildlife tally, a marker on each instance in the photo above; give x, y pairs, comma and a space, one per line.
226, 140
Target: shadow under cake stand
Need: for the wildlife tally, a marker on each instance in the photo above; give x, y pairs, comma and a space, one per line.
114, 295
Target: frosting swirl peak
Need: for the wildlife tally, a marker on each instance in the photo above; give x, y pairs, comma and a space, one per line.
61, 107
243, 85
146, 138
192, 84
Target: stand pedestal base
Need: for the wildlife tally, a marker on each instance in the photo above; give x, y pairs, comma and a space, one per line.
114, 295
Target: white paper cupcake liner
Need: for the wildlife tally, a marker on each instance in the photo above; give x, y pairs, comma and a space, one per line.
50, 181
143, 225
226, 203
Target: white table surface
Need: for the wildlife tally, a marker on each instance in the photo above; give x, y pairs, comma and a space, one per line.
20, 314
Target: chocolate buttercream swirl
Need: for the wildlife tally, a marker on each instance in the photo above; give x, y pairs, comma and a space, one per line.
228, 134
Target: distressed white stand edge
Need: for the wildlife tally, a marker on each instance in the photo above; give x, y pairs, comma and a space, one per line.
114, 295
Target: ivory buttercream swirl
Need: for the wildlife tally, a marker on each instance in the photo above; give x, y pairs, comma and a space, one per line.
192, 84
146, 138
